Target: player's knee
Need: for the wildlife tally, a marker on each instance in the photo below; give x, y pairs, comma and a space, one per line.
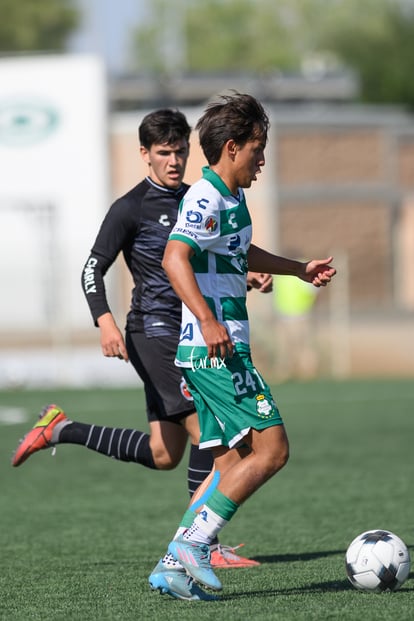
281, 453
278, 459
164, 460
283, 457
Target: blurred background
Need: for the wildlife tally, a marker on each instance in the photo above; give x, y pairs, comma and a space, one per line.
76, 78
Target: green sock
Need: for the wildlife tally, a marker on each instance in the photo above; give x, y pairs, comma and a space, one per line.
188, 518
224, 506
214, 515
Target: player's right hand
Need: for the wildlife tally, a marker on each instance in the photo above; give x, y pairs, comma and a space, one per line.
217, 339
112, 341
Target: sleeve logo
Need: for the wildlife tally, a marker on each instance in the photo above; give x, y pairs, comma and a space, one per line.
194, 217
211, 224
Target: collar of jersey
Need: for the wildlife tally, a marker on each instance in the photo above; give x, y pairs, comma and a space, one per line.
215, 180
163, 188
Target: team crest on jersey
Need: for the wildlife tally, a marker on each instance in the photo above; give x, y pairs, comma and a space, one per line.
211, 224
264, 408
184, 390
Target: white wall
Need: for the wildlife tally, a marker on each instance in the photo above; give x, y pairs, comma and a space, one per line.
53, 186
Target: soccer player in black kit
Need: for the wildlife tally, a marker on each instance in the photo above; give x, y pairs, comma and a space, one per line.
138, 225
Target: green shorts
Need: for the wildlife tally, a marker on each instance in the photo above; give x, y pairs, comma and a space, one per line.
231, 400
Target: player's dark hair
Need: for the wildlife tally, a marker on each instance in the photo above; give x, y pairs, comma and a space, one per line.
235, 117
164, 126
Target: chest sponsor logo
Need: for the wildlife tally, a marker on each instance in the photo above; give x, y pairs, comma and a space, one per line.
234, 244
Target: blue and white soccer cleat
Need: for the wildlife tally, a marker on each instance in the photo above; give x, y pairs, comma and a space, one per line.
195, 558
175, 582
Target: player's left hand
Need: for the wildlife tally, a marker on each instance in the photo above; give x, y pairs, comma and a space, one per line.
318, 272
262, 282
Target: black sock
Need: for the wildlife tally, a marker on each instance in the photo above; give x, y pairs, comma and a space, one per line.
200, 465
122, 444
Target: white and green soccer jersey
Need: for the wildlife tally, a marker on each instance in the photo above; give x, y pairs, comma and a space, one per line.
217, 225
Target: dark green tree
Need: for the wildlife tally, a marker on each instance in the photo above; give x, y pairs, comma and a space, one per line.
239, 35
379, 47
36, 25
373, 38
216, 35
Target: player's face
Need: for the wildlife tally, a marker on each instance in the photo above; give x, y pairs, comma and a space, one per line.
167, 162
249, 160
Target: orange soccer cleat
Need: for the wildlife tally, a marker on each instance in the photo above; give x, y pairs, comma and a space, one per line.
40, 436
224, 556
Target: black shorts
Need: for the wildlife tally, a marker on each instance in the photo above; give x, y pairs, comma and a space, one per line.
166, 392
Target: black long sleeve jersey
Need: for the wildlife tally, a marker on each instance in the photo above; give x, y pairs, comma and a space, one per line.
138, 225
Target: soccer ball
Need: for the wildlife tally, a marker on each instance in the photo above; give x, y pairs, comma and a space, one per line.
377, 561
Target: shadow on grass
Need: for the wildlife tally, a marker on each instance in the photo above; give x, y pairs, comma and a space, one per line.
332, 586
301, 556
317, 587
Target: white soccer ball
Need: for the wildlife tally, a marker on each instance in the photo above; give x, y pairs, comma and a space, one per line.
376, 561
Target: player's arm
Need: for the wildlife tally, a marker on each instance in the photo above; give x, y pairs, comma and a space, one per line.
93, 285
108, 243
176, 263
319, 272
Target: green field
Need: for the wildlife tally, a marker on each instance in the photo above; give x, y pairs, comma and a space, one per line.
80, 533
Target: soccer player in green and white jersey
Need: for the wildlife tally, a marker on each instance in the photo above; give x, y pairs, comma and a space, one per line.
220, 267
206, 259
